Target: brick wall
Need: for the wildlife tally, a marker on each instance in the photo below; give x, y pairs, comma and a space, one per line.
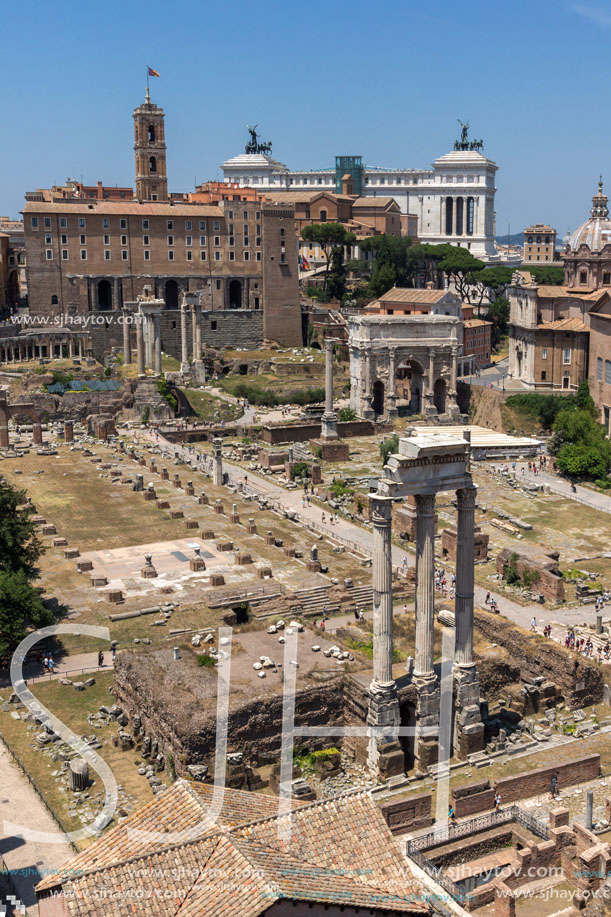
301, 433
408, 814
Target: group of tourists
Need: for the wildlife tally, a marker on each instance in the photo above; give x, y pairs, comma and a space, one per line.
441, 582
586, 646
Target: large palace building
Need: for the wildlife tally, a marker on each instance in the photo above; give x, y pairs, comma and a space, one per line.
454, 201
90, 251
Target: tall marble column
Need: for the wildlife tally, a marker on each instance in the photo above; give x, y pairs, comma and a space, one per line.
4, 435
468, 726
217, 468
464, 574
329, 418
140, 344
198, 365
80, 347
156, 322
148, 341
385, 757
425, 584
37, 433
127, 346
367, 408
392, 412
184, 339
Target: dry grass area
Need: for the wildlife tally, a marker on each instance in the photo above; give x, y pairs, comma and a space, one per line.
73, 707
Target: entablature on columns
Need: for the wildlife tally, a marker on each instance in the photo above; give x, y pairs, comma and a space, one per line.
427, 464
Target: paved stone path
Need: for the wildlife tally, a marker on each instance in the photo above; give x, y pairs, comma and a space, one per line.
21, 805
361, 538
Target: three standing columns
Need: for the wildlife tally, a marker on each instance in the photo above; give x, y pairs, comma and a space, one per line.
385, 756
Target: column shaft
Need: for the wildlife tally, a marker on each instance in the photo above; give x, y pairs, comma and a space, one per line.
464, 575
328, 376
157, 343
140, 344
381, 510
184, 340
425, 583
127, 346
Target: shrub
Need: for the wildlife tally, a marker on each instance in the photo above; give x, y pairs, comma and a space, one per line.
146, 414
300, 470
389, 446
346, 414
204, 660
510, 571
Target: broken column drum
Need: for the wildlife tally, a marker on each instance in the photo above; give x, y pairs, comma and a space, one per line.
217, 470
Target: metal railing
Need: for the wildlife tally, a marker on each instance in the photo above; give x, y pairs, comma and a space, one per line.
450, 833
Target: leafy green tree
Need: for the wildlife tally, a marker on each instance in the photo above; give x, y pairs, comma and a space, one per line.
382, 279
336, 278
489, 285
459, 265
20, 546
328, 236
579, 441
546, 274
584, 400
20, 607
388, 447
498, 313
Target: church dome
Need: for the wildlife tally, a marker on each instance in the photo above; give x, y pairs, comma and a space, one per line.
595, 232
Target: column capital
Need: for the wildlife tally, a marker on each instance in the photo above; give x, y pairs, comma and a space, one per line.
381, 510
425, 504
466, 497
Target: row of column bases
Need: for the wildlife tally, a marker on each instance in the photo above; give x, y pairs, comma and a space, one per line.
385, 756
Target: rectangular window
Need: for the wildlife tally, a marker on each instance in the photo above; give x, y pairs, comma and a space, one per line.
189, 256
124, 254
63, 223
147, 255
246, 214
170, 255
217, 240
170, 224
246, 256
123, 240
189, 241
123, 224
202, 256
213, 325
599, 369
105, 224
81, 222
230, 229
145, 224
83, 254
258, 215
216, 226
258, 229
217, 256
608, 372
566, 355
202, 240
34, 222
188, 225
48, 239
232, 256
258, 240
146, 240
283, 258
245, 240
49, 254
83, 239
231, 240
106, 240
107, 255
543, 376
64, 254
230, 214
218, 284
170, 240
202, 226
282, 230
258, 256
64, 239
47, 222
245, 229
544, 353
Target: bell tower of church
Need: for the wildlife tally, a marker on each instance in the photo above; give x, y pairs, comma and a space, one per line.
149, 147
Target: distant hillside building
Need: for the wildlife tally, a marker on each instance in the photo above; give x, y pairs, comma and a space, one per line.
560, 335
454, 201
90, 251
539, 244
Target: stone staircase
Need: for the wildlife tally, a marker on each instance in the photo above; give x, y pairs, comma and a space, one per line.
314, 600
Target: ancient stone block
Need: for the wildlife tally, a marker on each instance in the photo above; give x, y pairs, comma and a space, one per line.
98, 580
270, 538
115, 596
217, 579
242, 559
251, 527
203, 499
59, 542
71, 553
177, 514
49, 530
163, 504
83, 566
290, 552
224, 546
207, 535
264, 572
192, 524
218, 507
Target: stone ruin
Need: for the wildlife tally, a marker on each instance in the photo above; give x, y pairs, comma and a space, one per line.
542, 565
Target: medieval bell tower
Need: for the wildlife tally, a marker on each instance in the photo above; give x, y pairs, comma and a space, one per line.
149, 147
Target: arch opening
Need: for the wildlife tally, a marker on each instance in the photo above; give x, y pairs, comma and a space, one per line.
104, 296
439, 395
378, 397
152, 164
235, 294
410, 385
171, 294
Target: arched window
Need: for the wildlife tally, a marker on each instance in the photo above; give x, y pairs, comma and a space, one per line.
54, 300
151, 133
104, 296
152, 164
323, 216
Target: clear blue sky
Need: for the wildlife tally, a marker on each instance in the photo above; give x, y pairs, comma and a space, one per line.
386, 80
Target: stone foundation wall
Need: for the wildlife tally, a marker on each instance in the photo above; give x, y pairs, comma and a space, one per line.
302, 432
408, 814
476, 797
579, 680
550, 583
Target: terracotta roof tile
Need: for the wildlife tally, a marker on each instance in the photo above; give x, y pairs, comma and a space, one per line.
563, 324
403, 294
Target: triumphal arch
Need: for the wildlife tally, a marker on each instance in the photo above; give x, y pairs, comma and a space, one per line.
408, 360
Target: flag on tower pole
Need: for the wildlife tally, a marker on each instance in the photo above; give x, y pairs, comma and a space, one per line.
152, 72
149, 72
